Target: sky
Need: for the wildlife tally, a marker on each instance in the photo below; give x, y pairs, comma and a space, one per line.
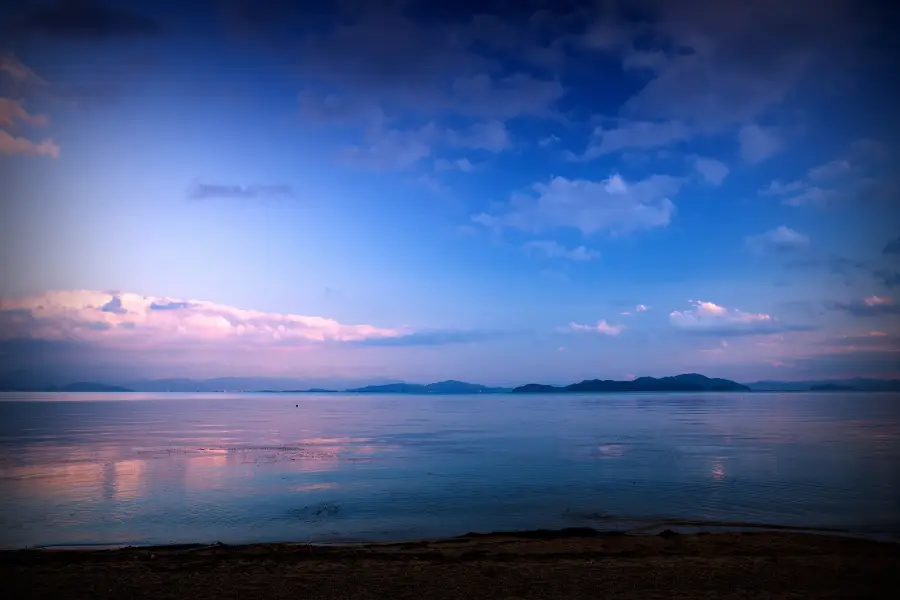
498, 192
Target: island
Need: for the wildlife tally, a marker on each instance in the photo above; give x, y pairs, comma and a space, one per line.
441, 387
690, 382
309, 391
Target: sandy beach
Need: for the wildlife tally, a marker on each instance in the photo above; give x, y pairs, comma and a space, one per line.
562, 564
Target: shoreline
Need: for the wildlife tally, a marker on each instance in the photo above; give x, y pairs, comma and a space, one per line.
568, 563
649, 528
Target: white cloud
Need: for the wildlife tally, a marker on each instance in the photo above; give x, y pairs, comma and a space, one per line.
551, 249
831, 170
780, 240
712, 319
548, 141
489, 135
612, 205
830, 182
397, 149
637, 309
642, 135
133, 321
712, 170
602, 327
460, 164
758, 143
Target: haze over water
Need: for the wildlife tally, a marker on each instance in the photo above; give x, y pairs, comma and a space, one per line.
141, 468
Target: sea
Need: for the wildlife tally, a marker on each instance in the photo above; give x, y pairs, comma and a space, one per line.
136, 469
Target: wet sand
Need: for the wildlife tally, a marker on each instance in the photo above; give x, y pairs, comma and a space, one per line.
564, 564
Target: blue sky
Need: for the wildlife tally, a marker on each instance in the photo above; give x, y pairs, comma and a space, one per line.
460, 191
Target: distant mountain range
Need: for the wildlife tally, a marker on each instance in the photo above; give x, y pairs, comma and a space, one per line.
680, 383
441, 387
691, 382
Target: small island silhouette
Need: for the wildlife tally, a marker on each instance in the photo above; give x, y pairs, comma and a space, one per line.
690, 382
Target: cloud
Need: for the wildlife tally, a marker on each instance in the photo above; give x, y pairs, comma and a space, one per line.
12, 111
429, 338
514, 96
758, 143
388, 149
114, 306
612, 205
887, 277
708, 318
168, 305
892, 247
780, 240
877, 363
551, 249
548, 141
13, 67
490, 135
709, 66
639, 308
872, 306
204, 191
602, 327
392, 149
839, 180
132, 321
425, 65
836, 169
10, 145
641, 135
872, 340
712, 170
90, 19
460, 164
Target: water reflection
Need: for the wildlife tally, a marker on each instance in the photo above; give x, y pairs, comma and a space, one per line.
242, 468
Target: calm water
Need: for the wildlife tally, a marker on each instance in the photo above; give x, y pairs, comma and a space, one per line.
137, 468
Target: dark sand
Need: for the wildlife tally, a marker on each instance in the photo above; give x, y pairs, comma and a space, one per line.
568, 564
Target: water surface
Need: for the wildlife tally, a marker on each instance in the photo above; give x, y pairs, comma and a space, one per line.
171, 468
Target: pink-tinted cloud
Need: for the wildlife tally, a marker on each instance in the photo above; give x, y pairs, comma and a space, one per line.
871, 306
133, 321
601, 327
12, 111
9, 144
710, 318
13, 67
637, 309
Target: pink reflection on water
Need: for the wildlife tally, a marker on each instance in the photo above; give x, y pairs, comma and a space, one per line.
718, 470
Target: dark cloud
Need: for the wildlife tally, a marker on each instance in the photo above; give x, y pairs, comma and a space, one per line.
887, 277
892, 247
716, 68
87, 18
114, 306
861, 363
429, 338
739, 329
852, 270
869, 307
203, 191
170, 305
872, 341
